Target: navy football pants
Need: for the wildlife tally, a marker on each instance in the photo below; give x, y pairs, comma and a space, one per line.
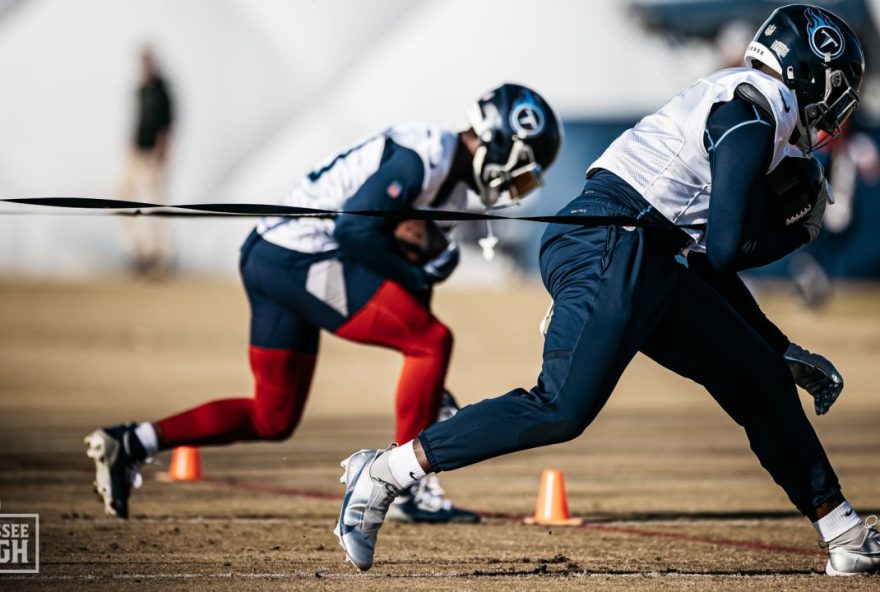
617, 292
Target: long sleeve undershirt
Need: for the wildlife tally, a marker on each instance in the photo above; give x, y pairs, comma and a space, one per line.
368, 240
739, 138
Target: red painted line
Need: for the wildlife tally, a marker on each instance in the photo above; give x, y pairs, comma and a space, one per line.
510, 517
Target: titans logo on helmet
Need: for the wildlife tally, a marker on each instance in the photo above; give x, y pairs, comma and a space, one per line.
825, 37
526, 117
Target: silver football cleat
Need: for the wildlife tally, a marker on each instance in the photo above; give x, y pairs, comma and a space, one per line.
364, 507
855, 552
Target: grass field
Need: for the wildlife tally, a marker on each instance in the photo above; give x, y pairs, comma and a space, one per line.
674, 499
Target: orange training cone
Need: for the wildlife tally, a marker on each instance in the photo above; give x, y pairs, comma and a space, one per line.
551, 508
186, 465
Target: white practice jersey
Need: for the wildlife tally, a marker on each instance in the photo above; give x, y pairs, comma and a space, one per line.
333, 182
664, 158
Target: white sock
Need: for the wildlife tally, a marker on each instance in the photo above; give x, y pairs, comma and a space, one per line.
837, 522
404, 465
146, 433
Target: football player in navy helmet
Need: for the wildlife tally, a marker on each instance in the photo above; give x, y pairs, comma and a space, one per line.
689, 178
350, 276
820, 59
518, 138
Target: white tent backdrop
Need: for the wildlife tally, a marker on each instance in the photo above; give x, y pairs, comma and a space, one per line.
267, 88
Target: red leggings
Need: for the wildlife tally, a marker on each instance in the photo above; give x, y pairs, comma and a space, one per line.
392, 318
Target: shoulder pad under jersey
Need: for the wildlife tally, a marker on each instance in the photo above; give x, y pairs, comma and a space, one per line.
752, 95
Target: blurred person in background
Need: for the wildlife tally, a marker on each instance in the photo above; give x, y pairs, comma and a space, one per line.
732, 41
851, 159
356, 277
146, 170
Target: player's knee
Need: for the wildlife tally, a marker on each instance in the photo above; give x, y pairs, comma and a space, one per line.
441, 338
783, 389
275, 430
558, 422
283, 379
567, 425
275, 425
776, 376
435, 340
554, 429
277, 410
562, 430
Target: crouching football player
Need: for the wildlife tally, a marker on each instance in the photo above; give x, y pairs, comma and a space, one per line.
351, 276
690, 176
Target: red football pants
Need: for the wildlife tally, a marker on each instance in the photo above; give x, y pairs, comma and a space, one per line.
392, 318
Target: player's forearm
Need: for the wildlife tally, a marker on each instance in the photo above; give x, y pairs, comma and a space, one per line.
769, 245
740, 146
364, 240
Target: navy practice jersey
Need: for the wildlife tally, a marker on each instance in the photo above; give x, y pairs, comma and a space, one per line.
406, 164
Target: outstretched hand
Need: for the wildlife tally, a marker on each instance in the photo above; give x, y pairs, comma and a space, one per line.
816, 375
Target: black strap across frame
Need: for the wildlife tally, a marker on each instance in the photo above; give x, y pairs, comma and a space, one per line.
118, 207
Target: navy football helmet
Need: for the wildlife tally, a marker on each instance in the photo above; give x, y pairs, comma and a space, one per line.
818, 57
519, 136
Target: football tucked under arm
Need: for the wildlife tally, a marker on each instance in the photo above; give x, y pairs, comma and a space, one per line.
793, 190
420, 241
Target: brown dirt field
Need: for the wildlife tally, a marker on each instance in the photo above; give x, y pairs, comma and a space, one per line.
673, 497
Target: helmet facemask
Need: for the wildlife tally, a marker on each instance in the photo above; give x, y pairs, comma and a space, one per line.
831, 113
500, 184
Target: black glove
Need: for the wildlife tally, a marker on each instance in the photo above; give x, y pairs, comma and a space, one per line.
816, 375
441, 267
